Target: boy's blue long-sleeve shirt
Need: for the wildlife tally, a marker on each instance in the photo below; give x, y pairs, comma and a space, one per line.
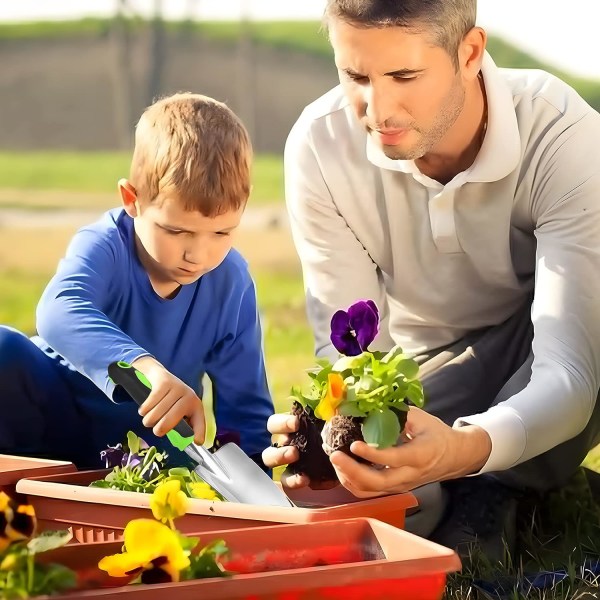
100, 307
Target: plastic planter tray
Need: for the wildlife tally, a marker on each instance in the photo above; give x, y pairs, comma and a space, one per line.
350, 559
13, 468
97, 514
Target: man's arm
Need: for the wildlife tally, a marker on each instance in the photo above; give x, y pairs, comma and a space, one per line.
557, 403
336, 267
70, 314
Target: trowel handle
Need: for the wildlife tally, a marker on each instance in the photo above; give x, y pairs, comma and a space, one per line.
136, 384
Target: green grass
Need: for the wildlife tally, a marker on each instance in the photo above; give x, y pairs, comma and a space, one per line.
98, 172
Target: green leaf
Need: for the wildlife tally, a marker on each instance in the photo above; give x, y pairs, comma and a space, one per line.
415, 394
350, 409
409, 367
133, 443
48, 540
382, 428
180, 472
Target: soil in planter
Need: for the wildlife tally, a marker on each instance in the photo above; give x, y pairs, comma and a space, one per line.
313, 461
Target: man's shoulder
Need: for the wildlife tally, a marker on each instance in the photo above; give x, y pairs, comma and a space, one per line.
315, 114
531, 85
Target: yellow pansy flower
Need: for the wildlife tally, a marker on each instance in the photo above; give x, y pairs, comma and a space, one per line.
334, 394
17, 521
201, 489
152, 550
168, 501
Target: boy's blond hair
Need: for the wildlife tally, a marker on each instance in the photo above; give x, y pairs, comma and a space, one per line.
195, 149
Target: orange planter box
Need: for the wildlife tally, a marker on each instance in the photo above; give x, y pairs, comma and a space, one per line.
13, 468
344, 560
99, 514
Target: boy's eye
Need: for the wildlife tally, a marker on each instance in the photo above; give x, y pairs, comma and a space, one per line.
223, 232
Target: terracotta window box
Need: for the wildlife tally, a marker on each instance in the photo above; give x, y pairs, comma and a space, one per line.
13, 468
99, 514
349, 559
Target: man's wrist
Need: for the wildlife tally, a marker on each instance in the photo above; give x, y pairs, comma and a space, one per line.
476, 447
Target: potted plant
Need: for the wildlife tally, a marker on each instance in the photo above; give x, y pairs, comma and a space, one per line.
138, 467
363, 395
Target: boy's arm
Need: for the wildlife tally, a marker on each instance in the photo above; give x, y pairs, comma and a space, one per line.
71, 313
242, 401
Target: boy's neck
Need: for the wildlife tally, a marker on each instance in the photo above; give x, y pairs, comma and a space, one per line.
166, 289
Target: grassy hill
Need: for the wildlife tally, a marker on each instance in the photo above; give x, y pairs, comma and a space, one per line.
304, 36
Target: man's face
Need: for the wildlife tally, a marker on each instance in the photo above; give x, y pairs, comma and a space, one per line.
179, 246
404, 90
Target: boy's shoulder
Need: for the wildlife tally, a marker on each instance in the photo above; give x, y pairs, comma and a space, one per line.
234, 266
112, 230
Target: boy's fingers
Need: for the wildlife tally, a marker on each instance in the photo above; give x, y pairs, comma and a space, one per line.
294, 481
277, 456
282, 423
198, 425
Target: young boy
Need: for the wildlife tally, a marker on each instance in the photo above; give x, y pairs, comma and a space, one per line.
157, 284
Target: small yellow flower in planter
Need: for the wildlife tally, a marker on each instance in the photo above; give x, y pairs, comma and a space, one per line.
168, 502
152, 550
203, 491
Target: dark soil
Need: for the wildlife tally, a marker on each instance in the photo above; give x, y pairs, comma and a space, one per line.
313, 461
340, 432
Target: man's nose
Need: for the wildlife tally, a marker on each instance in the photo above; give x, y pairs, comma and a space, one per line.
379, 104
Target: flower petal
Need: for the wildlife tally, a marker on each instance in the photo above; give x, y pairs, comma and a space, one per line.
342, 336
168, 501
364, 320
121, 565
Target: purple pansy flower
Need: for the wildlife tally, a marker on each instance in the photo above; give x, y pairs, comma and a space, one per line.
113, 456
353, 330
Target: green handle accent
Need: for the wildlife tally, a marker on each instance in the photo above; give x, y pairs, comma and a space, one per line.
177, 440
138, 387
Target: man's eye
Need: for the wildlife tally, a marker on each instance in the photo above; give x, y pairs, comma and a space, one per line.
357, 78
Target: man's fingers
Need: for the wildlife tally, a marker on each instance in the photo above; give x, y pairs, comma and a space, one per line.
282, 423
366, 481
284, 455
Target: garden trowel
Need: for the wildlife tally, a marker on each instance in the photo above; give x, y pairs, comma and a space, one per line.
229, 470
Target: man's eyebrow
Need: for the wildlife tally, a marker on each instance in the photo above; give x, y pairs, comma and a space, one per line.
404, 72
397, 73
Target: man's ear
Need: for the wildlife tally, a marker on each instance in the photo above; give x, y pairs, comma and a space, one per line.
128, 197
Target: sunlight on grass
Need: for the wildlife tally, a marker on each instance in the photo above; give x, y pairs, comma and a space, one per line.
98, 173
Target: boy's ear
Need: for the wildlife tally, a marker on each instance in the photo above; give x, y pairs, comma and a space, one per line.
128, 197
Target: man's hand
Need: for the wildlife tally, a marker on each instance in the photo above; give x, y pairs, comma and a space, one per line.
432, 451
170, 401
282, 454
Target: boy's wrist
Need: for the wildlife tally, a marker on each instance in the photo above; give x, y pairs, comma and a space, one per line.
147, 364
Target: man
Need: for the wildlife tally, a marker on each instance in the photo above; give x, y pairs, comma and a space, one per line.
465, 201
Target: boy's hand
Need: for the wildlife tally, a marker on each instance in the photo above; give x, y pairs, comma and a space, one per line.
282, 454
170, 401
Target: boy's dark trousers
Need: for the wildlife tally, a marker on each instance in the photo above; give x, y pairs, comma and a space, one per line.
49, 410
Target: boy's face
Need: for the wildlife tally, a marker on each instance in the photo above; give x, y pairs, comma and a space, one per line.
177, 246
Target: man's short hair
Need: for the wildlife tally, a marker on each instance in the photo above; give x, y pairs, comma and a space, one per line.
447, 20
195, 149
